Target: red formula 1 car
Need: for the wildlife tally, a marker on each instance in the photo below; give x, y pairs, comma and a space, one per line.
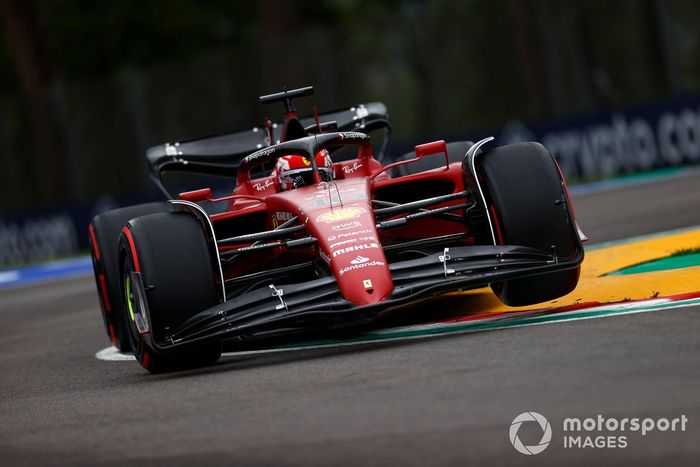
305, 243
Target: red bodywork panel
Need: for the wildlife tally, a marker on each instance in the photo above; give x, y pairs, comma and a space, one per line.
340, 216
347, 237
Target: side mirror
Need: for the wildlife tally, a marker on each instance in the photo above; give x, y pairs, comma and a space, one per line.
422, 150
197, 196
436, 147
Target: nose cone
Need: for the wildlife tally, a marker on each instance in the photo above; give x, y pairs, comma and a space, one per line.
348, 237
342, 221
362, 271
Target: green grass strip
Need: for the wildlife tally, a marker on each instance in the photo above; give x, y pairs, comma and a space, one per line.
663, 264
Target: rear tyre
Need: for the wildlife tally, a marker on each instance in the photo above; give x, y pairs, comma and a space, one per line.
530, 207
104, 247
170, 251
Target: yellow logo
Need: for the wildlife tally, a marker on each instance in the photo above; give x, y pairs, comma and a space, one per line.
341, 214
306, 161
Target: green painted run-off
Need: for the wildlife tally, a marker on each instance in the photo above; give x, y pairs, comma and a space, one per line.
663, 264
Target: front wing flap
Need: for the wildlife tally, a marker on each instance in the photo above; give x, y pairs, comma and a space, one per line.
319, 303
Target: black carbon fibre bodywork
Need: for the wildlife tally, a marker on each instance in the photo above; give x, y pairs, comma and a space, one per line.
221, 154
318, 304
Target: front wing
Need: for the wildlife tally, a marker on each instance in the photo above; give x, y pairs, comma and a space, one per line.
319, 304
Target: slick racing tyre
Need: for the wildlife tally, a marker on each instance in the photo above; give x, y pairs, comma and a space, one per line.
529, 206
170, 252
104, 237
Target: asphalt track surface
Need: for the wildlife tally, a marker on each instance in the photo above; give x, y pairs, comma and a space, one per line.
437, 401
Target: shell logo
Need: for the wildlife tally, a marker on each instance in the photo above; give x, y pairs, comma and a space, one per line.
306, 161
341, 214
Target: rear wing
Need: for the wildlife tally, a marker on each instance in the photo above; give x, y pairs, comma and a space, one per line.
221, 154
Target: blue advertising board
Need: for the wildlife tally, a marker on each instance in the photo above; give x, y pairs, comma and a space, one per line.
619, 141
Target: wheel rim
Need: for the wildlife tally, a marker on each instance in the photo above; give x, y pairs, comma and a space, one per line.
129, 297
130, 317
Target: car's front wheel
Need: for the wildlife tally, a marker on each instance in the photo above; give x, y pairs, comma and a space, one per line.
169, 253
529, 206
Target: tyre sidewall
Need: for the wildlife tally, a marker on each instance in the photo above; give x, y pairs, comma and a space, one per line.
531, 209
177, 273
104, 233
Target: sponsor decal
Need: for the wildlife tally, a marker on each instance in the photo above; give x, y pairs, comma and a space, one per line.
346, 226
255, 156
263, 186
352, 212
353, 248
359, 260
352, 240
343, 242
350, 234
350, 169
255, 247
352, 135
280, 217
367, 284
360, 266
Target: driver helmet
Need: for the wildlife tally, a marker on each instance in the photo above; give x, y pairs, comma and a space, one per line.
296, 171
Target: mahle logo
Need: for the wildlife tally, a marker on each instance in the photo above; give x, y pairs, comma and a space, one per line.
546, 433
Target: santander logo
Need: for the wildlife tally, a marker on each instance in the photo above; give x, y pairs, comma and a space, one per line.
359, 260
